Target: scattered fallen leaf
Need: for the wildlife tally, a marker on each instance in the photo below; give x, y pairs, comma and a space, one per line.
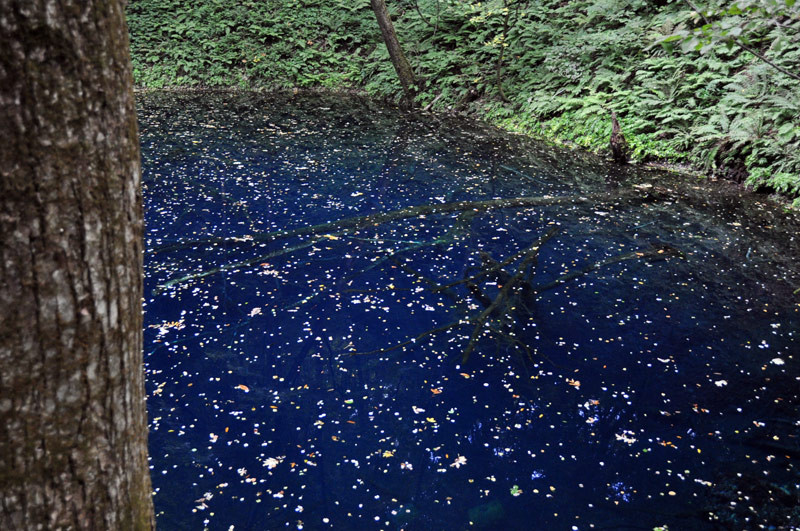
460, 460
272, 462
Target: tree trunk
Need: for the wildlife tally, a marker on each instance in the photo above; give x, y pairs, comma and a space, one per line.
401, 66
73, 423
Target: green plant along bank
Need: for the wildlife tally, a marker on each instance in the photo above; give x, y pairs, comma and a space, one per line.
713, 85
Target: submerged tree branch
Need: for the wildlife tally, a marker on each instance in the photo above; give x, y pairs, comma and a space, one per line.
498, 266
423, 335
658, 251
530, 257
335, 228
235, 265
479, 321
359, 222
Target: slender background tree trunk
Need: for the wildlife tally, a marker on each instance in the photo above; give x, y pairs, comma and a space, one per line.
73, 426
399, 61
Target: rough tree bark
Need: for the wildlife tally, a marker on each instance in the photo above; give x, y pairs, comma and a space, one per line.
73, 426
399, 61
618, 144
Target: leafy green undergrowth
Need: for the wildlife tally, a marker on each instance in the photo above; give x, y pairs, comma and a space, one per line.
565, 66
247, 44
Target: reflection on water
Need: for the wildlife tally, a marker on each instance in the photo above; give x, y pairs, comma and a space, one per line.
633, 355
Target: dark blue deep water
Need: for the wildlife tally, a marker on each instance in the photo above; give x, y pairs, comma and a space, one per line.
643, 371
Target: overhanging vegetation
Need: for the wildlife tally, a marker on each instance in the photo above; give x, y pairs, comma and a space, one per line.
549, 68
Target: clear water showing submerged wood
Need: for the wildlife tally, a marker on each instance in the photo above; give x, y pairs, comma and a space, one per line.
632, 342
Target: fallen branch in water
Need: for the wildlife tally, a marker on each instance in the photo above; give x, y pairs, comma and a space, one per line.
334, 228
501, 306
419, 276
379, 218
460, 226
236, 265
423, 335
502, 300
531, 255
658, 251
496, 266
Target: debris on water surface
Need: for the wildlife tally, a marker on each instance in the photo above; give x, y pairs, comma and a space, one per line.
605, 384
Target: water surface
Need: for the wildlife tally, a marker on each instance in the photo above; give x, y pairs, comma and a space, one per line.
659, 386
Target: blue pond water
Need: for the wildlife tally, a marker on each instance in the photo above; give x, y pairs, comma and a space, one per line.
659, 388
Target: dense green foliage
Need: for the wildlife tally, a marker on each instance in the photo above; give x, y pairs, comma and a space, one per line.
257, 43
565, 66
